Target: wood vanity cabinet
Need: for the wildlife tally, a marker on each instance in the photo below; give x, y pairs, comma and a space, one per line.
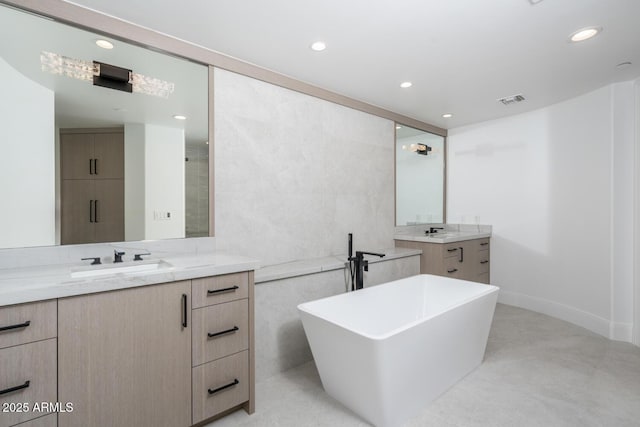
125, 357
466, 260
28, 365
169, 355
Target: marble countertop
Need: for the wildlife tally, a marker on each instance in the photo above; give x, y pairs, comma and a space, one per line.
317, 265
442, 237
27, 284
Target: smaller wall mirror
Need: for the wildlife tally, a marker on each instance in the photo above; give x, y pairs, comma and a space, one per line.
420, 163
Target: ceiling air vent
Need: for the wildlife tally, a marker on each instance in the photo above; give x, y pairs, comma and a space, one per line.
508, 100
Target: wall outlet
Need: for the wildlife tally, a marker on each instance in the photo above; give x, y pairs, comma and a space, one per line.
161, 215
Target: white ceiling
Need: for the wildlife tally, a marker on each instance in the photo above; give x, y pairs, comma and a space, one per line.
461, 55
79, 103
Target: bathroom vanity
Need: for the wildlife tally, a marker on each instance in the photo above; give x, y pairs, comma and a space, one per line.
461, 254
155, 348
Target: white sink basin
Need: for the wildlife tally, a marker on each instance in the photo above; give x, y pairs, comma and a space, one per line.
124, 268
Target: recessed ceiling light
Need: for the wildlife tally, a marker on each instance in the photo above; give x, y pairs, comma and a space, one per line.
405, 85
447, 115
585, 34
105, 44
318, 46
179, 117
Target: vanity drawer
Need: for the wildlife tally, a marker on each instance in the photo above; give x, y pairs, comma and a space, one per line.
23, 323
483, 278
483, 262
450, 250
452, 267
220, 330
482, 244
220, 385
218, 289
31, 370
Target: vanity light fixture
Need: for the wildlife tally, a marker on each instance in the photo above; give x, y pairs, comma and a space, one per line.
585, 34
405, 85
447, 115
318, 46
105, 75
180, 117
105, 44
418, 148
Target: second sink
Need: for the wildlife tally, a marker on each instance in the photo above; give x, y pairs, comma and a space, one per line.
125, 268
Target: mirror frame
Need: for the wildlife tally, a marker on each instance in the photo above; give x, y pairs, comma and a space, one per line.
395, 171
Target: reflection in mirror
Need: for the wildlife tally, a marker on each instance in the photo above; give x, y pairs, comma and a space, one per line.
419, 176
93, 148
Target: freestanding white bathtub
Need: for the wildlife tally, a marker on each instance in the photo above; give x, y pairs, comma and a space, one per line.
386, 351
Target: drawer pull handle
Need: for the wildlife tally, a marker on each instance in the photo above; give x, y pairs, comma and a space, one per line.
452, 250
218, 291
484, 262
228, 331
484, 244
185, 310
19, 326
224, 387
16, 388
453, 270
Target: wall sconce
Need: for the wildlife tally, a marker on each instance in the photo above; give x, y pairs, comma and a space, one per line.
105, 75
418, 148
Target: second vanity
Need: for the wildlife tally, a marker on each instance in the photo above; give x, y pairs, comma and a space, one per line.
167, 347
458, 251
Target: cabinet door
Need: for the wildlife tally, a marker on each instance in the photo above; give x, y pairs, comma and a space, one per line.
109, 210
125, 357
108, 155
76, 155
77, 211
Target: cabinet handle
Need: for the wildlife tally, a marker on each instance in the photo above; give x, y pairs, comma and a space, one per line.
461, 255
484, 262
16, 388
452, 250
228, 331
19, 326
453, 270
95, 211
215, 390
91, 210
218, 291
184, 310
90, 166
484, 244
95, 166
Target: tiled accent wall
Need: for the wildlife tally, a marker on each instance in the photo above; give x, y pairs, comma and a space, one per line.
197, 190
295, 174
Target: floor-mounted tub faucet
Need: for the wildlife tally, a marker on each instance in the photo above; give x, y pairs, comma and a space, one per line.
358, 265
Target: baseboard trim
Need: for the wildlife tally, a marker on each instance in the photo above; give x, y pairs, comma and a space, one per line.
599, 325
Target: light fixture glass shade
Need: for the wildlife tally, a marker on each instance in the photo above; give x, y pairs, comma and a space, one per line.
85, 70
65, 66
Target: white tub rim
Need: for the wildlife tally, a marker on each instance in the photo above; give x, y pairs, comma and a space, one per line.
379, 337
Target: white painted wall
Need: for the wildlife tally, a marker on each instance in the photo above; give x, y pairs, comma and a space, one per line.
554, 184
27, 217
419, 181
295, 174
164, 182
636, 217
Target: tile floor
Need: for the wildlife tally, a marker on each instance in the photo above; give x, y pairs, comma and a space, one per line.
538, 371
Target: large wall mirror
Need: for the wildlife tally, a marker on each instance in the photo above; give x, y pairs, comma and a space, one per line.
102, 140
420, 171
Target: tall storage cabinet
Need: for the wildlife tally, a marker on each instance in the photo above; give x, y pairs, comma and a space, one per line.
92, 189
